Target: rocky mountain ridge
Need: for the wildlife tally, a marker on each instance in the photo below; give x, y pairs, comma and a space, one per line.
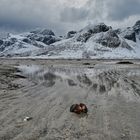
93, 41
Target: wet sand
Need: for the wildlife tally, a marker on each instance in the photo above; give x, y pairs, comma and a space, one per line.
44, 90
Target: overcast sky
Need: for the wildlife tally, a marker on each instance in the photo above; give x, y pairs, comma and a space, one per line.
64, 15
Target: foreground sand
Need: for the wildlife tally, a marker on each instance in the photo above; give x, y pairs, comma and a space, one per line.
45, 89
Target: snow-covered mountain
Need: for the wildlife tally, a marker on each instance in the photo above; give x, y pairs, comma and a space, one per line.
27, 44
93, 41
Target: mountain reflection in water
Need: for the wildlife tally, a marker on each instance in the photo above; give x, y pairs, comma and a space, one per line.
98, 79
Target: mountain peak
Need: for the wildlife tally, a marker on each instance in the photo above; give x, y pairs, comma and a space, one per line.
43, 32
96, 28
136, 27
90, 30
137, 23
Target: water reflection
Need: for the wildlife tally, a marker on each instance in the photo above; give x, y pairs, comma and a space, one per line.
99, 79
49, 79
71, 82
84, 79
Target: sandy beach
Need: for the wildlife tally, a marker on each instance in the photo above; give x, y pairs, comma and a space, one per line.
44, 90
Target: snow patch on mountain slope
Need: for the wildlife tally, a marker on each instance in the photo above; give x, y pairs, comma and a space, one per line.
93, 41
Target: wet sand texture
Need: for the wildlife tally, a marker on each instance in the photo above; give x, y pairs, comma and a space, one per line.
45, 90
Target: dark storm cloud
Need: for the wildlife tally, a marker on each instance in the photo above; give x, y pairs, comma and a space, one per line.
15, 24
122, 9
64, 15
21, 15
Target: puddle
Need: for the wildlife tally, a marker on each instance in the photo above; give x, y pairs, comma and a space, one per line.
101, 77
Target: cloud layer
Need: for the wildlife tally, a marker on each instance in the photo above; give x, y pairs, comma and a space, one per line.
64, 15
